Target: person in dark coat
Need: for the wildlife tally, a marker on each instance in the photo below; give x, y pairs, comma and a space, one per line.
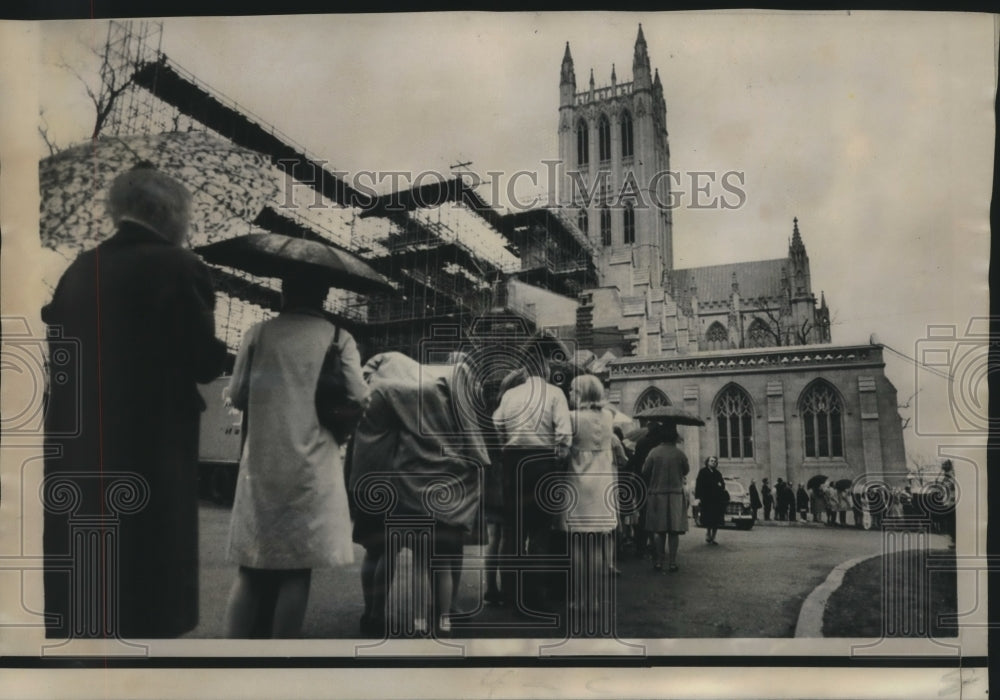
754, 499
802, 502
767, 498
780, 500
121, 468
642, 537
710, 490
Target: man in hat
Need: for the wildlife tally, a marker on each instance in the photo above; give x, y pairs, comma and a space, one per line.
123, 418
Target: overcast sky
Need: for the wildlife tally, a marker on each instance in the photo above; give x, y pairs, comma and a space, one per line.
875, 130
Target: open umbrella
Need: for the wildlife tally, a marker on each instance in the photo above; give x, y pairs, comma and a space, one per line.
274, 255
637, 434
230, 185
667, 414
842, 484
815, 481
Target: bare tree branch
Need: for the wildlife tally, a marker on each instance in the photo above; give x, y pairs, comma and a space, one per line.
43, 131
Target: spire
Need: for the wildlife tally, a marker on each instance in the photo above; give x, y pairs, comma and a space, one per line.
614, 78
567, 74
735, 283
656, 79
591, 78
822, 299
641, 73
796, 247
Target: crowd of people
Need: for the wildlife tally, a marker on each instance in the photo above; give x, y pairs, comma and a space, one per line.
388, 455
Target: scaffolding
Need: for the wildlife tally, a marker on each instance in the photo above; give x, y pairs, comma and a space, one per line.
446, 252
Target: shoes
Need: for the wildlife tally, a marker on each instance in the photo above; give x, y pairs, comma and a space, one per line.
493, 597
672, 568
713, 542
658, 566
444, 625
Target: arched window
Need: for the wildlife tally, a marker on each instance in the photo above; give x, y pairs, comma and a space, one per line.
628, 223
717, 337
822, 413
650, 398
582, 144
582, 221
759, 334
605, 225
627, 147
734, 417
604, 138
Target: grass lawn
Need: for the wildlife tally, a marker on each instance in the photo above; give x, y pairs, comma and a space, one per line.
915, 596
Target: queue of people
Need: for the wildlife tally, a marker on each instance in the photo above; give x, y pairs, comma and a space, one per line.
544, 467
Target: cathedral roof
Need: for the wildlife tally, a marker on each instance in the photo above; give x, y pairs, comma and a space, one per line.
757, 278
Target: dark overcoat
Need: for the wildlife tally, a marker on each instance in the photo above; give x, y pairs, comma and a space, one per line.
710, 490
131, 332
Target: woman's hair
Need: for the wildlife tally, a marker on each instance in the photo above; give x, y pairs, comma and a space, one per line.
709, 459
307, 292
665, 432
586, 392
152, 198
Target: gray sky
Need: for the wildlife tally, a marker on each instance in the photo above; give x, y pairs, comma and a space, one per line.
875, 129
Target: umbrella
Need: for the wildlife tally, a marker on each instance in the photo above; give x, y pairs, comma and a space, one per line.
815, 481
668, 414
620, 419
637, 434
843, 484
230, 185
274, 255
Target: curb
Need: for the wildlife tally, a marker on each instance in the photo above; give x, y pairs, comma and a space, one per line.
810, 622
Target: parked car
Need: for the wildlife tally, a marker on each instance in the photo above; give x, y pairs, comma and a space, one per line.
738, 514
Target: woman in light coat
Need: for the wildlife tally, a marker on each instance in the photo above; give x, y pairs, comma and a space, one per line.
593, 514
290, 513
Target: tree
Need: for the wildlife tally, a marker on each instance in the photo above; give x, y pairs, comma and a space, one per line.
773, 322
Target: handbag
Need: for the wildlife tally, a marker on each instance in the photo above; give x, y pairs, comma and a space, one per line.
336, 411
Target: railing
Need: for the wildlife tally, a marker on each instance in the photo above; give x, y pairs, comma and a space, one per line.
604, 93
767, 359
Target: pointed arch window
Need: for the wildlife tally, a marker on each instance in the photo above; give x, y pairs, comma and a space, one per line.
604, 138
734, 418
759, 334
822, 412
717, 337
627, 147
605, 225
628, 223
650, 398
582, 221
582, 144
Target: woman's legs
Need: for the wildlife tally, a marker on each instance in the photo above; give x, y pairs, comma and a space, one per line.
244, 601
673, 540
290, 607
658, 553
494, 534
447, 574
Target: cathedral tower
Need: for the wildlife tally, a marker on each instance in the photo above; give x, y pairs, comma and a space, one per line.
615, 158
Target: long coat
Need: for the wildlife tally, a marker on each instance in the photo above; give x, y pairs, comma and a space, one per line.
591, 473
290, 510
417, 452
710, 490
134, 327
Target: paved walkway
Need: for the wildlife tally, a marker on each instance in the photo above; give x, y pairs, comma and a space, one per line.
753, 584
